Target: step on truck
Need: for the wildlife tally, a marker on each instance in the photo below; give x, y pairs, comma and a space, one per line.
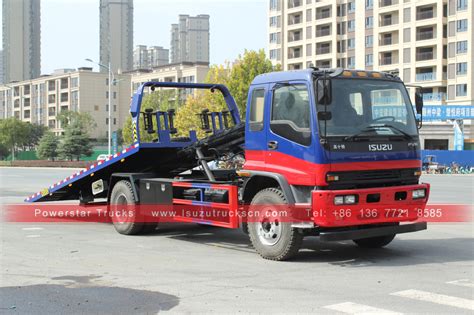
339, 149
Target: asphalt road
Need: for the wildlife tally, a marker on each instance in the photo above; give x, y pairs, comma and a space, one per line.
89, 268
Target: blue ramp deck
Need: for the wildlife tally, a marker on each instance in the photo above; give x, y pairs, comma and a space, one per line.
136, 158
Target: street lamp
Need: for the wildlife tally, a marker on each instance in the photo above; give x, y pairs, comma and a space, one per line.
111, 80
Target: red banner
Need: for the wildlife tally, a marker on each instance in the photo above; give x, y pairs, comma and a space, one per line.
335, 215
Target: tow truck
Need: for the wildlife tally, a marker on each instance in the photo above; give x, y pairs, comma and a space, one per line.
338, 147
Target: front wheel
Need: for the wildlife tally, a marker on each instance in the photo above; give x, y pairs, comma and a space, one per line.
375, 242
272, 238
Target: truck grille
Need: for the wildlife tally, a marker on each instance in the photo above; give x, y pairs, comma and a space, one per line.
375, 178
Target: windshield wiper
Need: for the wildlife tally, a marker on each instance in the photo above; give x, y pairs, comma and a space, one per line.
357, 134
405, 134
375, 127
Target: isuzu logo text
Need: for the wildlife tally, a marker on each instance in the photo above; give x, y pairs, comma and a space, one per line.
380, 147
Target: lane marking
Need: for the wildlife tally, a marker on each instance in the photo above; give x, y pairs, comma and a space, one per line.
359, 309
32, 229
463, 283
436, 298
33, 236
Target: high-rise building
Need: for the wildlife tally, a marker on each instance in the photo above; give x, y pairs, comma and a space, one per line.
40, 100
116, 34
140, 57
175, 55
21, 40
429, 43
149, 57
190, 39
158, 56
2, 74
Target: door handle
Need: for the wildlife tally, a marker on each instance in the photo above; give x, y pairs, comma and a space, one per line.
272, 145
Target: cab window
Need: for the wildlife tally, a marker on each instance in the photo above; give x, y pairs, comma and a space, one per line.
290, 113
257, 106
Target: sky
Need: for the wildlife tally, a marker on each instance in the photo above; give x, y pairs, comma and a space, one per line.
70, 28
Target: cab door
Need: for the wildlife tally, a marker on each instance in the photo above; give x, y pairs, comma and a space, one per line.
290, 149
255, 128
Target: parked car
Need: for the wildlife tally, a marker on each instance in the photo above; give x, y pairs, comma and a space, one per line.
102, 157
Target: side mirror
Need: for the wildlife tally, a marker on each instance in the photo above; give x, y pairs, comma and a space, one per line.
324, 91
419, 102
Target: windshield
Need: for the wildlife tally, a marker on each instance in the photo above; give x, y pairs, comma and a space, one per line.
368, 107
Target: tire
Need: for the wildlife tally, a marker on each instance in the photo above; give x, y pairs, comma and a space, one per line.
375, 242
272, 239
122, 194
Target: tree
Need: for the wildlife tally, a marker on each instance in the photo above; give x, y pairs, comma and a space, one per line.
83, 119
119, 136
35, 133
237, 79
160, 99
13, 133
244, 70
187, 116
3, 151
75, 141
47, 147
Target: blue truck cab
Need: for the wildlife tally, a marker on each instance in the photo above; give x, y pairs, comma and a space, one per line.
342, 142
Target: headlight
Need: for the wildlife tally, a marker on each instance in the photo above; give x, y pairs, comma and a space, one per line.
345, 200
418, 193
349, 199
339, 200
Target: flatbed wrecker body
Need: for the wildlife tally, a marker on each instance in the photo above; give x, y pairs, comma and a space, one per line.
338, 148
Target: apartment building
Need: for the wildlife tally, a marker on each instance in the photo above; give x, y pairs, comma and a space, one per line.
190, 39
40, 100
426, 42
148, 57
187, 72
21, 26
116, 34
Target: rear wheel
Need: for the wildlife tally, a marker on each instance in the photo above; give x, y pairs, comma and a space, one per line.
375, 242
272, 238
125, 221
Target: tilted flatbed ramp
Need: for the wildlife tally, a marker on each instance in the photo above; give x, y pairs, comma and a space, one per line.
131, 159
173, 158
69, 188
164, 156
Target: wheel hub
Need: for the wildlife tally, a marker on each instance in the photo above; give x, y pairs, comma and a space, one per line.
121, 201
269, 231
